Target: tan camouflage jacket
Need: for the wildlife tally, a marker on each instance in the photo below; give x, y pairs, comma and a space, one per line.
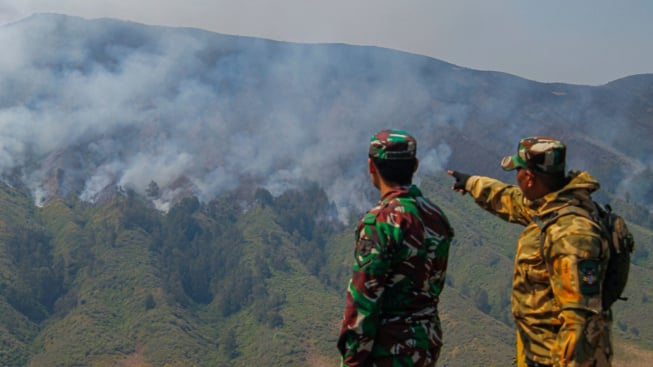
558, 316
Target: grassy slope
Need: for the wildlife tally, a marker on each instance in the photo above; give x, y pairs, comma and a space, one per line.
109, 321
310, 310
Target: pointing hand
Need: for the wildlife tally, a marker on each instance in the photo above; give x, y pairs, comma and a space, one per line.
461, 181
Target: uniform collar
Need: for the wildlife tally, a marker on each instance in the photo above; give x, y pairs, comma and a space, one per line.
578, 191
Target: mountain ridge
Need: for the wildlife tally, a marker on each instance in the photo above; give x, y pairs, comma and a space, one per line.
209, 81
179, 197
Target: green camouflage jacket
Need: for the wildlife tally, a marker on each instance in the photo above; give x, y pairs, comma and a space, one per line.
558, 315
401, 254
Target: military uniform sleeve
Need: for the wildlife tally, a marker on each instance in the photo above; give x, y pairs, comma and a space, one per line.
503, 200
371, 266
576, 274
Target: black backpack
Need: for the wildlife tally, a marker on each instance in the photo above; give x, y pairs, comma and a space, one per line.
620, 242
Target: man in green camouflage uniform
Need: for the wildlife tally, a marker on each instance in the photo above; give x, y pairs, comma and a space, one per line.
402, 245
556, 290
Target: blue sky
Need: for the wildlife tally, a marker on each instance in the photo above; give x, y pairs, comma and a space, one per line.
579, 41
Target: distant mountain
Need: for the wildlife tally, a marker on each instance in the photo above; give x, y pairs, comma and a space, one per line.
176, 196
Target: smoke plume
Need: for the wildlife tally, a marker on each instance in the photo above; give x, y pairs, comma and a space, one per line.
112, 103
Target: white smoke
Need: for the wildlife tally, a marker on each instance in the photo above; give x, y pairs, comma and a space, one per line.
435, 160
143, 104
104, 104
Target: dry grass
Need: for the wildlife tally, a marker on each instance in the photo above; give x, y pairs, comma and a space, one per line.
630, 355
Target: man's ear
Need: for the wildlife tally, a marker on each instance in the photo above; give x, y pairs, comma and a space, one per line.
416, 165
530, 178
370, 166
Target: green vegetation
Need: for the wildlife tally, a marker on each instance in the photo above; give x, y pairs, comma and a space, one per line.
245, 279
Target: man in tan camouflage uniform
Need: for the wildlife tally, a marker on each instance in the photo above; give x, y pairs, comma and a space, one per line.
402, 245
556, 291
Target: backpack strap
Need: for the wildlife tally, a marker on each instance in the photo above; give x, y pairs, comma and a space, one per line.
552, 218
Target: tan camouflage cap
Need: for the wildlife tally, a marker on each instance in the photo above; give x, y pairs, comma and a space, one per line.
539, 153
392, 144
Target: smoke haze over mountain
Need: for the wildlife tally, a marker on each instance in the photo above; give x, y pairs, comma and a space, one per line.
140, 104
91, 105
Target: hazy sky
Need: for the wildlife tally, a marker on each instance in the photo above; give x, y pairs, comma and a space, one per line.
578, 41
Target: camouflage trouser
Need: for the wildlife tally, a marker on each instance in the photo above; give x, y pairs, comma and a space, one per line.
407, 345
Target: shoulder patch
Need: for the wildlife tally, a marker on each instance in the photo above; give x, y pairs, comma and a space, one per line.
589, 274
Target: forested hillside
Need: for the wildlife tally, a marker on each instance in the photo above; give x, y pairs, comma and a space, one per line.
244, 279
235, 280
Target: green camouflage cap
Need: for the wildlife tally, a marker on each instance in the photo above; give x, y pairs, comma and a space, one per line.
539, 153
392, 144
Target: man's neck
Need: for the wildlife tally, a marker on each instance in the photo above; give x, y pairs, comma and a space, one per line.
387, 187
